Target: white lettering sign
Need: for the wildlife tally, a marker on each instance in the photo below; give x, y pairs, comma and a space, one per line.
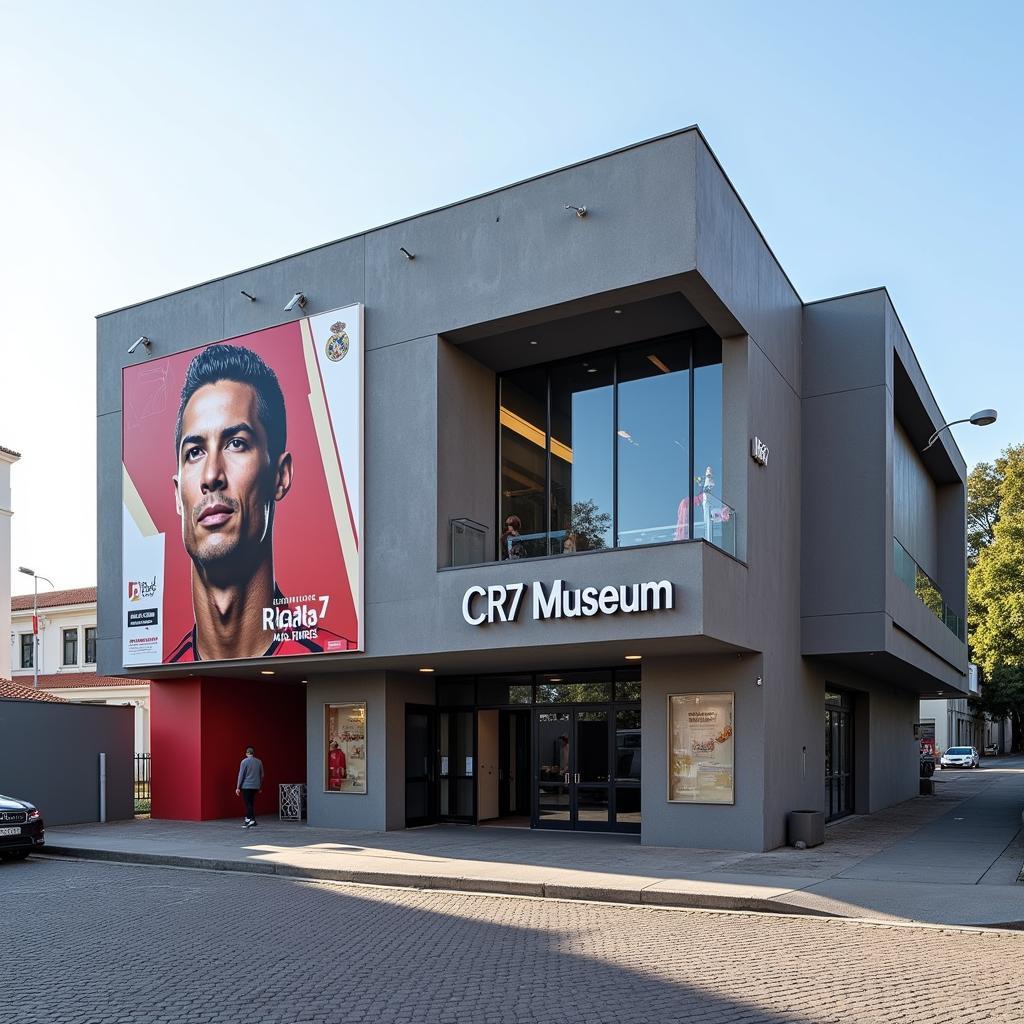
759, 451
501, 602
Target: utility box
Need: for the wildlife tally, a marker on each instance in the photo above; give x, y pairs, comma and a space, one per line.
807, 827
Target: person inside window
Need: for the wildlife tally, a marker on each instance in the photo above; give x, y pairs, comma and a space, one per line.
511, 545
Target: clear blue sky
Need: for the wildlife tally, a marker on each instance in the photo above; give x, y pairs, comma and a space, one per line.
145, 147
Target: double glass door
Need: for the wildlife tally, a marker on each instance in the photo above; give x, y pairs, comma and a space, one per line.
573, 768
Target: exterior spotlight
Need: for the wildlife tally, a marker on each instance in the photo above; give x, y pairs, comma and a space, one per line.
137, 342
251, 298
581, 211
426, 671
405, 252
982, 418
298, 299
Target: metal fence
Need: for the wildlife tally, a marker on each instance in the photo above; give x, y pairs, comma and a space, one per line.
143, 784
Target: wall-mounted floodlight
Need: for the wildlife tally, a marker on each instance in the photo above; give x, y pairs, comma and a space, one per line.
581, 211
251, 298
298, 299
405, 252
982, 418
144, 341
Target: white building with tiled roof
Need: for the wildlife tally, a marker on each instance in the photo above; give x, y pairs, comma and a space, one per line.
7, 459
67, 655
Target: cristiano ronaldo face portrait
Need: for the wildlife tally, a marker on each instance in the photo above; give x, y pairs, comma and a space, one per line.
231, 465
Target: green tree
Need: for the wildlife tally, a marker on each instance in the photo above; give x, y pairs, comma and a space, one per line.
983, 483
995, 585
588, 525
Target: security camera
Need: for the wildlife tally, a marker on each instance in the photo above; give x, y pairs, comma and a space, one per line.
139, 341
298, 299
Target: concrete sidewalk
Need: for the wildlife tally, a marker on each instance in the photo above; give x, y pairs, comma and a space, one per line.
949, 859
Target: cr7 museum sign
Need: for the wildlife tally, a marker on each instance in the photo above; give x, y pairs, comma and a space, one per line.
503, 602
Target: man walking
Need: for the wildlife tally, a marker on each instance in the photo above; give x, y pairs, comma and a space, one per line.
250, 782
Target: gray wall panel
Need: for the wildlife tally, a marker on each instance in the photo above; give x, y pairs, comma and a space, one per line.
348, 810
844, 491
844, 344
50, 757
915, 504
472, 267
466, 445
674, 824
108, 549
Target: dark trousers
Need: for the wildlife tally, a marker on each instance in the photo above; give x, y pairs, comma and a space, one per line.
249, 796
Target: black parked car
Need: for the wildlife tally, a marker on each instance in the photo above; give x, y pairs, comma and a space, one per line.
21, 828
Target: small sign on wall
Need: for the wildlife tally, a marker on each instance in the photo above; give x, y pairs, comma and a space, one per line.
759, 451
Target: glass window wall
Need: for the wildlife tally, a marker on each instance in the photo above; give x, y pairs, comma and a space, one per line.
619, 448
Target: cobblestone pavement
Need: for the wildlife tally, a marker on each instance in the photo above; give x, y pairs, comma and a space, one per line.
85, 943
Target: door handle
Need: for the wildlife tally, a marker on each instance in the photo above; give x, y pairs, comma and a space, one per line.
577, 779
567, 778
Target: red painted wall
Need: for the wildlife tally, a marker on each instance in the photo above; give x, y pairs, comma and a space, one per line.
175, 745
237, 713
200, 729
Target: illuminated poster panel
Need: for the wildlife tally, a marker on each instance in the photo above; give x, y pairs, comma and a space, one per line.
701, 748
242, 496
345, 748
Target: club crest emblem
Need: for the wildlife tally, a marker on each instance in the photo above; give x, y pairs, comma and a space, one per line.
337, 344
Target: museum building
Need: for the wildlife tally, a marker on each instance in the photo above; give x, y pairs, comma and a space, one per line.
584, 520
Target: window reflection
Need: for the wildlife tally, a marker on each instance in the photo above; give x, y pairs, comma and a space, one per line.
652, 436
618, 448
523, 440
582, 410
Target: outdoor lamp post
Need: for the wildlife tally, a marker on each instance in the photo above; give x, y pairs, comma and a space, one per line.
35, 620
982, 418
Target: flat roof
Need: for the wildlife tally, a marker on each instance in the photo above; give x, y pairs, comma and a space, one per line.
471, 199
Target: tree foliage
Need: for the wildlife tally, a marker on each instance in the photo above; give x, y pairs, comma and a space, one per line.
983, 485
995, 583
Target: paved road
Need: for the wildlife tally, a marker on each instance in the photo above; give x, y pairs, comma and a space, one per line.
93, 943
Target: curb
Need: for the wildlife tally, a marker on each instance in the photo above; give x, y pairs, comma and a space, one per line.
500, 886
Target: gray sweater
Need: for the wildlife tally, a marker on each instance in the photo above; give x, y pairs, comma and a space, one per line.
250, 773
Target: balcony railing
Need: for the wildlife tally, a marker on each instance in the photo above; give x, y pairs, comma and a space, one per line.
714, 521
907, 569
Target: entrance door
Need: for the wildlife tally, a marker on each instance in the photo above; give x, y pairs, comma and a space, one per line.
456, 766
573, 757
420, 776
838, 755
514, 764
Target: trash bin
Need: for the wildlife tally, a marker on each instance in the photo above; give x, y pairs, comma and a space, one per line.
807, 827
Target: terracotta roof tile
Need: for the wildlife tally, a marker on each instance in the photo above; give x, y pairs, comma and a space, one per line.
15, 691
54, 599
79, 680
10, 451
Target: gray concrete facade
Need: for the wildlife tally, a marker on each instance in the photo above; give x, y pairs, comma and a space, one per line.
809, 600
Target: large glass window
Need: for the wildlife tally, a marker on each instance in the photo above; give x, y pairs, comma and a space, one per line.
652, 442
90, 645
524, 441
618, 448
582, 415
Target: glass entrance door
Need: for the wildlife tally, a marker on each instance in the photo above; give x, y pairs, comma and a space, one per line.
456, 766
838, 755
420, 777
573, 756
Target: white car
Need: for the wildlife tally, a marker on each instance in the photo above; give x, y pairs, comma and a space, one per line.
960, 757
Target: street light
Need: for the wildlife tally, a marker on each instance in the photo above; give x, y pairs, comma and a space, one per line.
982, 418
35, 620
